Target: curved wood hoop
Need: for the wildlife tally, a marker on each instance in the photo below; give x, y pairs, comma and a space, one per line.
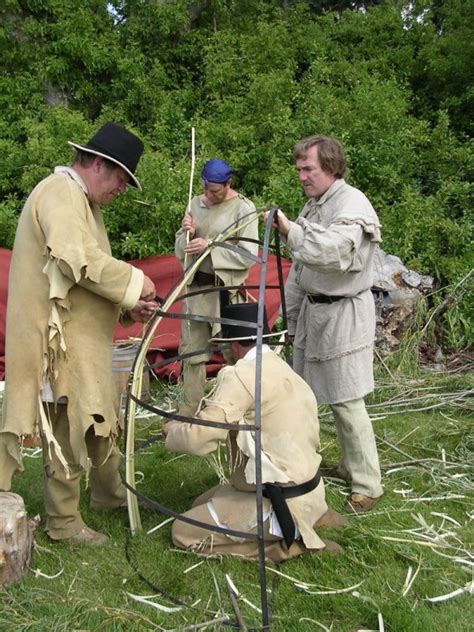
135, 388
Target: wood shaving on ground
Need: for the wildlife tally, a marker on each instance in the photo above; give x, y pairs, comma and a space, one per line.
237, 593
331, 591
161, 524
147, 601
320, 625
139, 476
467, 589
191, 568
307, 585
37, 572
410, 579
175, 458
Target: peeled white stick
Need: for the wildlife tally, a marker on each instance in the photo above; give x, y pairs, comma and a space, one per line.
191, 179
468, 588
188, 209
147, 602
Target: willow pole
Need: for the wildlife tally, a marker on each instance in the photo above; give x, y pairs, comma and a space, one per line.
188, 209
191, 180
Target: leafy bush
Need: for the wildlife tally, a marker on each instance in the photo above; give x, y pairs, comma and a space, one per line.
252, 77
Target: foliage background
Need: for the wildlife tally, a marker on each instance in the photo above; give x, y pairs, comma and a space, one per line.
391, 80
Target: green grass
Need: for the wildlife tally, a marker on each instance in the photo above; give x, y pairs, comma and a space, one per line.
90, 593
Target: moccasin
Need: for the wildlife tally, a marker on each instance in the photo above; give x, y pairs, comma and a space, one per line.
333, 472
358, 503
331, 547
298, 548
331, 520
89, 537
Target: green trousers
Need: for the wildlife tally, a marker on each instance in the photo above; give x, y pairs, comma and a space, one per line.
62, 494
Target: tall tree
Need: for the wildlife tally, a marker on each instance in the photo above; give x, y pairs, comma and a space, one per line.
444, 75
391, 80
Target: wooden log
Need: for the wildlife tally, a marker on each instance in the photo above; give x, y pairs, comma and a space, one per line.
16, 537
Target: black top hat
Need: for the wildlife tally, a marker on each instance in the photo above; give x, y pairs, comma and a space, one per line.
247, 312
117, 144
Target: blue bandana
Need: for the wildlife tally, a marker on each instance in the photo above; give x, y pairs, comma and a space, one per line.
216, 170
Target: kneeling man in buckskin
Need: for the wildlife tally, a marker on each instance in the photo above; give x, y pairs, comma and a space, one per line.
294, 497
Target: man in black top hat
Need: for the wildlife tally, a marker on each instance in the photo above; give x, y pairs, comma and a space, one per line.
66, 293
294, 501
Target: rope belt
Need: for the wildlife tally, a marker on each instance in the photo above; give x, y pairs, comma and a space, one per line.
203, 278
278, 495
322, 298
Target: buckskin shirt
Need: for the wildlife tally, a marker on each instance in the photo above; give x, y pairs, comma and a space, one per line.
66, 293
290, 440
231, 268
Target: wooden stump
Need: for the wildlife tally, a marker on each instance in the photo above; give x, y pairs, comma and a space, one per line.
16, 537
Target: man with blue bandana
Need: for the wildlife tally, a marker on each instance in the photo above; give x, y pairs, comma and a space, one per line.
209, 215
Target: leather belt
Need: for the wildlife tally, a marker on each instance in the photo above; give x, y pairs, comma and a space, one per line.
322, 298
203, 278
277, 494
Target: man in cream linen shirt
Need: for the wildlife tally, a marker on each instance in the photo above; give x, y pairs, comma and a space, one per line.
331, 311
66, 293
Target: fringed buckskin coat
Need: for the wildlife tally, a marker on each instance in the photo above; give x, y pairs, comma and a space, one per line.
66, 293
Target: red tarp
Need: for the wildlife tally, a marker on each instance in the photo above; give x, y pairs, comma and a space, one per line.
165, 272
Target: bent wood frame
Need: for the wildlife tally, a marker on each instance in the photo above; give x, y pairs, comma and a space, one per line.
134, 390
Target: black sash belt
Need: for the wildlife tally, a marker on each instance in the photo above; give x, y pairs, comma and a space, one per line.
205, 279
278, 495
322, 298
